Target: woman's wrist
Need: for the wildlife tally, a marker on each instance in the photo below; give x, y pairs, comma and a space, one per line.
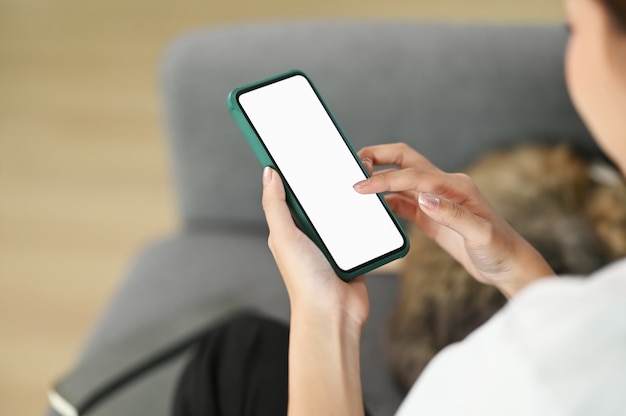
329, 321
530, 267
324, 364
347, 309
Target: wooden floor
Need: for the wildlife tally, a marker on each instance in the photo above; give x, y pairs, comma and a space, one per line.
84, 176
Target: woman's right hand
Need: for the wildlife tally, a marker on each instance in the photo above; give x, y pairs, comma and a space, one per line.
450, 209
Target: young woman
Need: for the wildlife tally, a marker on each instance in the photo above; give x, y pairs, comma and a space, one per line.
559, 346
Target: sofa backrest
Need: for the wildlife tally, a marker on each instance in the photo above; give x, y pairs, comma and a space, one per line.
452, 91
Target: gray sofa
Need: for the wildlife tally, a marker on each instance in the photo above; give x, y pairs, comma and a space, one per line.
452, 91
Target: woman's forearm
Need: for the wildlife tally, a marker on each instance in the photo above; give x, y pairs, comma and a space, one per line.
324, 367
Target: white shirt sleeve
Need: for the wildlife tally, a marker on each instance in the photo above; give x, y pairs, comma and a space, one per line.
558, 348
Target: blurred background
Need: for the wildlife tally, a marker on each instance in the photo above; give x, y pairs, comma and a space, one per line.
84, 175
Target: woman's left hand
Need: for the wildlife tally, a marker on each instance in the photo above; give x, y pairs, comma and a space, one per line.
311, 282
327, 316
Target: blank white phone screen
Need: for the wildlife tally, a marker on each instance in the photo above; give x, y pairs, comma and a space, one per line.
319, 167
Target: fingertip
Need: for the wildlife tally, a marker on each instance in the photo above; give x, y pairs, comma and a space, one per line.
429, 201
361, 186
274, 204
268, 174
272, 184
270, 192
366, 153
369, 164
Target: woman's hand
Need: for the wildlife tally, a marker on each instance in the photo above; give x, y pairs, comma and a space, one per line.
450, 209
311, 282
327, 316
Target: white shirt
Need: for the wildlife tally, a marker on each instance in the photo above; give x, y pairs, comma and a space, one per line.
558, 348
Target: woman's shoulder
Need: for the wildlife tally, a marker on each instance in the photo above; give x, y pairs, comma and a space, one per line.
532, 354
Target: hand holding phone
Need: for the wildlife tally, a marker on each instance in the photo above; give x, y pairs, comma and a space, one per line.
290, 129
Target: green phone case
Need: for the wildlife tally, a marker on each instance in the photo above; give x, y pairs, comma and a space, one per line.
298, 213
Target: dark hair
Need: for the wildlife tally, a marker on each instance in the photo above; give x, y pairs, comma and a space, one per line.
617, 9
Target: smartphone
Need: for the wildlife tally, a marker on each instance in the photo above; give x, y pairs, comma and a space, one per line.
291, 129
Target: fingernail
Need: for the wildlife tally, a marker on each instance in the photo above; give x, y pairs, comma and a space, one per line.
429, 201
361, 184
267, 175
368, 163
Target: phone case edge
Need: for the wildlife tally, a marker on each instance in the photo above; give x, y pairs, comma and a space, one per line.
298, 213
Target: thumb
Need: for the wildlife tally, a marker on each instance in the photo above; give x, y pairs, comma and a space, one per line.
277, 213
452, 215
